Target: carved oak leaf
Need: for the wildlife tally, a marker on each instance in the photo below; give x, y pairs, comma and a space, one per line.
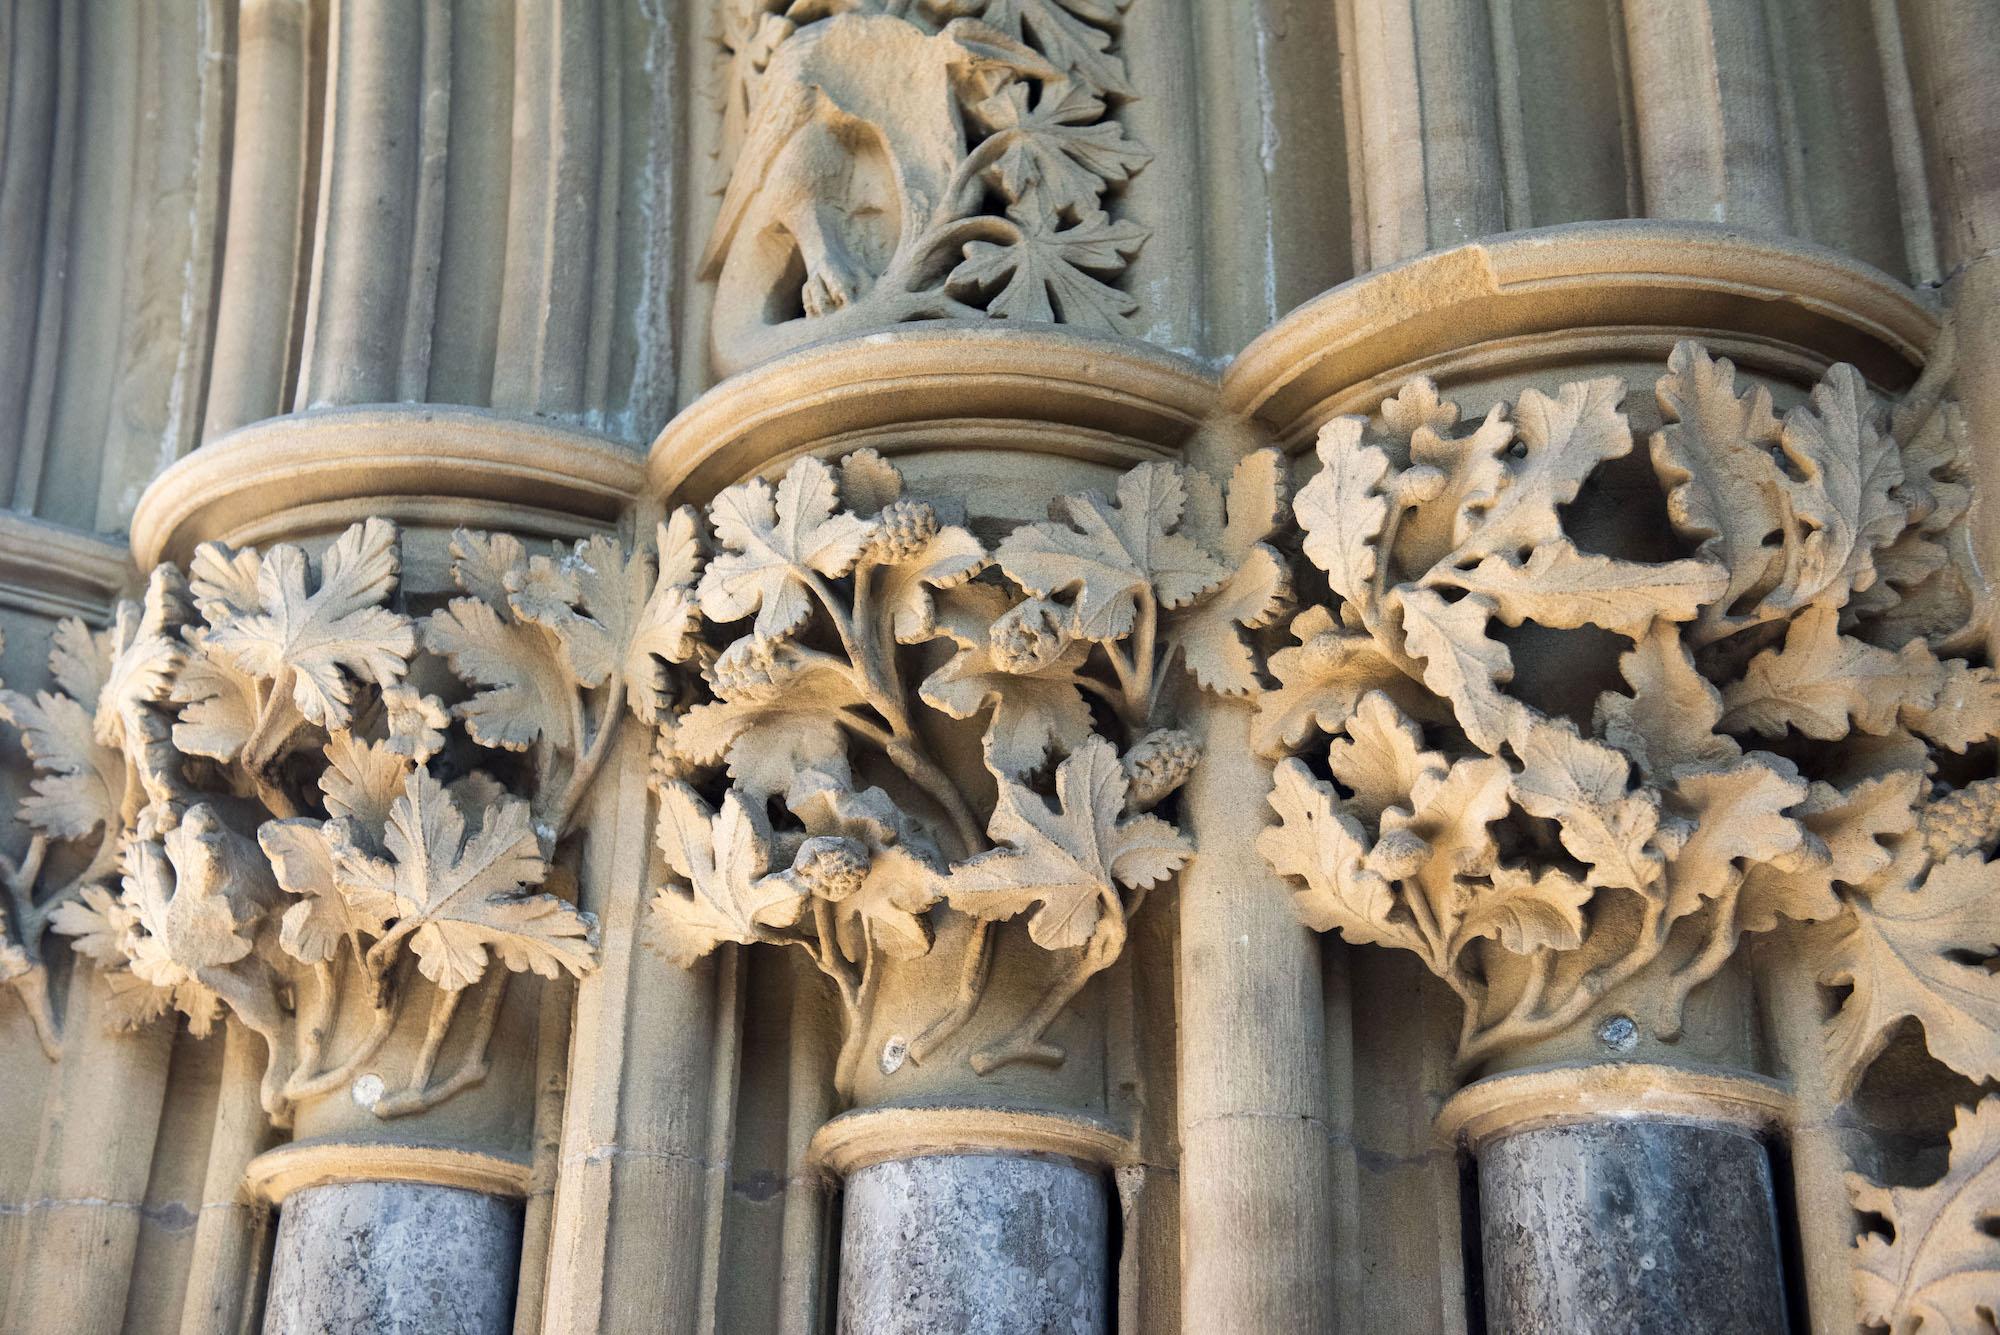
1668, 722
1939, 1274
1563, 588
1381, 758
1848, 471
1461, 662
1905, 952
1343, 508
1844, 832
1581, 785
723, 858
464, 892
1739, 813
80, 783
1320, 680
1562, 440
1523, 909
776, 545
1444, 842
1322, 845
1066, 863
1113, 551
1060, 153
1715, 458
326, 640
900, 885
1071, 33
1821, 681
1032, 711
779, 715
302, 858
1966, 711
1473, 469
1258, 584
1049, 274
217, 699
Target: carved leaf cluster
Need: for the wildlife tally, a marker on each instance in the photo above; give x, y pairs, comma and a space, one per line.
258, 759
1538, 861
1005, 181
807, 801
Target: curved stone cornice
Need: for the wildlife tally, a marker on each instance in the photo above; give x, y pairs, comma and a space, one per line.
965, 386
51, 570
416, 465
1539, 298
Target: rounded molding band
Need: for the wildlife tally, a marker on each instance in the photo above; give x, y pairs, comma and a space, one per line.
1555, 294
276, 1174
1600, 1091
416, 464
964, 385
854, 1140
56, 571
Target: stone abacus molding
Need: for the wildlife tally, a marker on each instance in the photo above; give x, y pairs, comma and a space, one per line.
1799, 741
1059, 647
282, 822
892, 160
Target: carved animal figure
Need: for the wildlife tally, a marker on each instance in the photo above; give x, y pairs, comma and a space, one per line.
855, 131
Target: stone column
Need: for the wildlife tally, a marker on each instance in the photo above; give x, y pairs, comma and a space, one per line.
1625, 1198
975, 1242
394, 1256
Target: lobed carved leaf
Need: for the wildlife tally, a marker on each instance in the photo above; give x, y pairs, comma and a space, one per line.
1938, 1270
1709, 800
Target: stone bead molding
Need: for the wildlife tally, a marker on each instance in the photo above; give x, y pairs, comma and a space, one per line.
893, 160
1803, 736
289, 794
809, 800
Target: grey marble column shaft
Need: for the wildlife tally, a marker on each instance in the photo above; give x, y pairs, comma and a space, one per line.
397, 1258
1630, 1226
975, 1244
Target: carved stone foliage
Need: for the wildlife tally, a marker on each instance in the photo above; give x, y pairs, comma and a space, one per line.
903, 722
892, 160
100, 757
302, 826
1782, 743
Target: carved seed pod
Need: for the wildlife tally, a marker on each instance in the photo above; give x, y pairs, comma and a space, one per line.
902, 530
1160, 763
830, 867
1967, 821
744, 672
1030, 637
